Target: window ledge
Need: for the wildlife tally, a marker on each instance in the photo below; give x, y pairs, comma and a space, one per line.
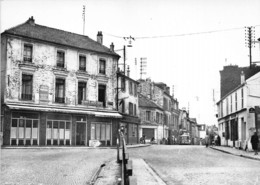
26, 66
60, 71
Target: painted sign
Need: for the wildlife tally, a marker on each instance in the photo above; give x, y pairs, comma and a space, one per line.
44, 93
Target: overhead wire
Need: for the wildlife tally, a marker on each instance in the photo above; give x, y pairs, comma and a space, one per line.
180, 35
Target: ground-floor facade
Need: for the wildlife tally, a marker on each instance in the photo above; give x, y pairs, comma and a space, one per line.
158, 132
131, 126
47, 128
236, 129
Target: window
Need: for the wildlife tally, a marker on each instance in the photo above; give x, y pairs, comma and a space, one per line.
102, 132
242, 98
58, 132
130, 87
102, 94
148, 115
60, 91
27, 53
82, 63
165, 104
27, 87
122, 84
236, 101
24, 129
122, 104
102, 66
135, 90
60, 59
130, 108
157, 117
227, 106
81, 92
134, 109
231, 103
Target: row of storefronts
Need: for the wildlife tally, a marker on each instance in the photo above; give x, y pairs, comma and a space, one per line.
39, 128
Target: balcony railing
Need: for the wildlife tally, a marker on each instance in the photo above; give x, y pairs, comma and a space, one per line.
26, 96
59, 100
27, 59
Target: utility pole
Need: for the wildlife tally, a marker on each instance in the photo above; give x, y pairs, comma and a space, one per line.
124, 58
83, 17
249, 41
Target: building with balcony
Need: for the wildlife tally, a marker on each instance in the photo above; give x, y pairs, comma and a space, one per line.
57, 87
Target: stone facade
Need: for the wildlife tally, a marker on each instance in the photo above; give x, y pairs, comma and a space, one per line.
43, 101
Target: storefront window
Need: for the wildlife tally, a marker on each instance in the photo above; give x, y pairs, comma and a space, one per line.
101, 132
58, 132
24, 129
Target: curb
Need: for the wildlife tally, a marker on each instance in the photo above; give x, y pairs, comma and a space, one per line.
137, 146
69, 147
248, 157
95, 175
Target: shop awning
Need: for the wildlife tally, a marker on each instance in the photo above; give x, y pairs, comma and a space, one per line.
70, 110
108, 114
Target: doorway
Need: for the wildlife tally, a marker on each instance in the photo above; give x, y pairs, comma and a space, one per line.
81, 138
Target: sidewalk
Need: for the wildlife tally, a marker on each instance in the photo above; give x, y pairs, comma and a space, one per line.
110, 174
237, 152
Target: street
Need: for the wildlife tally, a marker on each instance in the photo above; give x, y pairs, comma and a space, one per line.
52, 166
187, 164
175, 164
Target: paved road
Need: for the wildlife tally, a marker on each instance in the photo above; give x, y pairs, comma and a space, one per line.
198, 165
51, 166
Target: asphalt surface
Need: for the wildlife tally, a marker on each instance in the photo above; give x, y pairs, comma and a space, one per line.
183, 165
52, 166
167, 164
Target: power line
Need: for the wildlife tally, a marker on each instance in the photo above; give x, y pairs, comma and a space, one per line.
179, 35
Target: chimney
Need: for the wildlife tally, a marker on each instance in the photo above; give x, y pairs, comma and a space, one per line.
242, 77
100, 37
31, 21
128, 71
112, 47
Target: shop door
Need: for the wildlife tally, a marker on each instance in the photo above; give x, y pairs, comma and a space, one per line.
81, 133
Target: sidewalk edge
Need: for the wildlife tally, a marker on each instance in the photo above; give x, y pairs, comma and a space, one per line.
248, 157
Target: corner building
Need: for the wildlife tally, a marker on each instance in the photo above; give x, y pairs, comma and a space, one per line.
57, 88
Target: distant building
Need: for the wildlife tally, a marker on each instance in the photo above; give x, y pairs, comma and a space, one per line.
151, 119
57, 88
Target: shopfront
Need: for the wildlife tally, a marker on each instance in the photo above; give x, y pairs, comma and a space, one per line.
24, 128
58, 129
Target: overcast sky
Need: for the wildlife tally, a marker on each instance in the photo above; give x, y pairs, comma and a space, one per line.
186, 42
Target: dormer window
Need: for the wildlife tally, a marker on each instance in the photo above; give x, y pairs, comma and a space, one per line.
102, 66
60, 59
27, 53
82, 63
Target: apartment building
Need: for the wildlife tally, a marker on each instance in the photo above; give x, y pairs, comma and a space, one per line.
57, 87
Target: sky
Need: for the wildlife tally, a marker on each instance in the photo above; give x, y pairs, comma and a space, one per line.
185, 42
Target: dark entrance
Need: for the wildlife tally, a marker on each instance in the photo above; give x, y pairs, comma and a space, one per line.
81, 133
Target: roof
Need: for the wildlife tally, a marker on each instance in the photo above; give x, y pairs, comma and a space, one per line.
145, 102
31, 30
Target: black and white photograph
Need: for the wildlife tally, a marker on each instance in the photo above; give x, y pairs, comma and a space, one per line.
130, 92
